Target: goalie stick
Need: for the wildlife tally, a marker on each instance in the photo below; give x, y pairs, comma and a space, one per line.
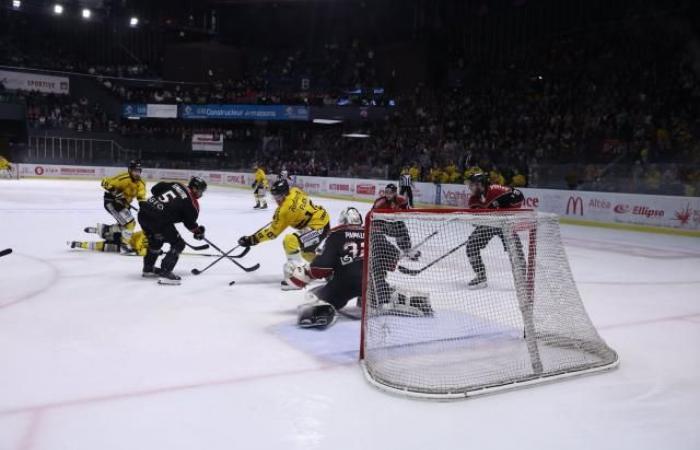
7, 251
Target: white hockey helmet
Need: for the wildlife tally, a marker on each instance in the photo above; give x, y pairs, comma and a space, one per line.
350, 216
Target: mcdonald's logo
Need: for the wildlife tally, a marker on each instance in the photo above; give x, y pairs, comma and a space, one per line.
573, 205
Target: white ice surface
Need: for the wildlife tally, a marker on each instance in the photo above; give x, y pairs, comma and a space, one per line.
92, 356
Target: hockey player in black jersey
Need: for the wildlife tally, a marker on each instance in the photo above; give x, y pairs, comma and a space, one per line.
171, 203
338, 259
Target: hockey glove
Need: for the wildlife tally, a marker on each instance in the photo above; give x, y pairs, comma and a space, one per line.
300, 276
118, 198
247, 241
199, 233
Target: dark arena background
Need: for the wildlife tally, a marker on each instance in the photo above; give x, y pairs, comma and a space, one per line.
445, 198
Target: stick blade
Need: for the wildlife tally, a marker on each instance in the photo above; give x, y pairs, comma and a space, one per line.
408, 271
251, 268
196, 271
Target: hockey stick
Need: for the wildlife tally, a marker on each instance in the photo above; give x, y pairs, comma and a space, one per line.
214, 255
226, 256
426, 239
222, 256
201, 247
408, 271
418, 245
241, 266
7, 251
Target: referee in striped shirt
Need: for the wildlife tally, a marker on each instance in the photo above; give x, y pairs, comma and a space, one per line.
406, 186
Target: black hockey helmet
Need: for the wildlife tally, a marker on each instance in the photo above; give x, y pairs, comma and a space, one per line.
391, 189
481, 178
134, 169
198, 184
280, 188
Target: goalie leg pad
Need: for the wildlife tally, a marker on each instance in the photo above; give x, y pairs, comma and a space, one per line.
338, 292
317, 314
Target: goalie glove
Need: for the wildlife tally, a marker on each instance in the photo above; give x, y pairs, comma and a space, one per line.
300, 276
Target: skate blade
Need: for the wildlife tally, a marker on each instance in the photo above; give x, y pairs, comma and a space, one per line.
478, 286
166, 282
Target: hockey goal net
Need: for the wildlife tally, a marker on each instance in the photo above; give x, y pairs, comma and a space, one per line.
426, 332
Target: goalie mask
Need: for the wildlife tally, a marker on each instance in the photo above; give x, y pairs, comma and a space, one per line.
350, 216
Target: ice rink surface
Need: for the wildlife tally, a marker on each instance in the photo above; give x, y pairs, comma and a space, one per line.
92, 356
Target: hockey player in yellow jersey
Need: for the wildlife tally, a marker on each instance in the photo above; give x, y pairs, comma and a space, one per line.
295, 209
5, 167
120, 191
260, 186
137, 245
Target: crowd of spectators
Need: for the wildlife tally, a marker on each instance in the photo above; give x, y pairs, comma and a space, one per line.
49, 111
622, 96
597, 105
330, 76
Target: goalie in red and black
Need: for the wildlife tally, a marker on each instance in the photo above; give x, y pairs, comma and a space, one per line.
339, 260
485, 195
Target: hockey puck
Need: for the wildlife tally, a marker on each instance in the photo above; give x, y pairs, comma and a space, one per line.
232, 283
7, 251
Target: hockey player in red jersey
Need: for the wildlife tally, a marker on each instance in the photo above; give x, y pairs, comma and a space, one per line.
395, 229
489, 196
390, 199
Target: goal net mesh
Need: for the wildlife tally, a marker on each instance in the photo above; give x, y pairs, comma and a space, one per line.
425, 332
